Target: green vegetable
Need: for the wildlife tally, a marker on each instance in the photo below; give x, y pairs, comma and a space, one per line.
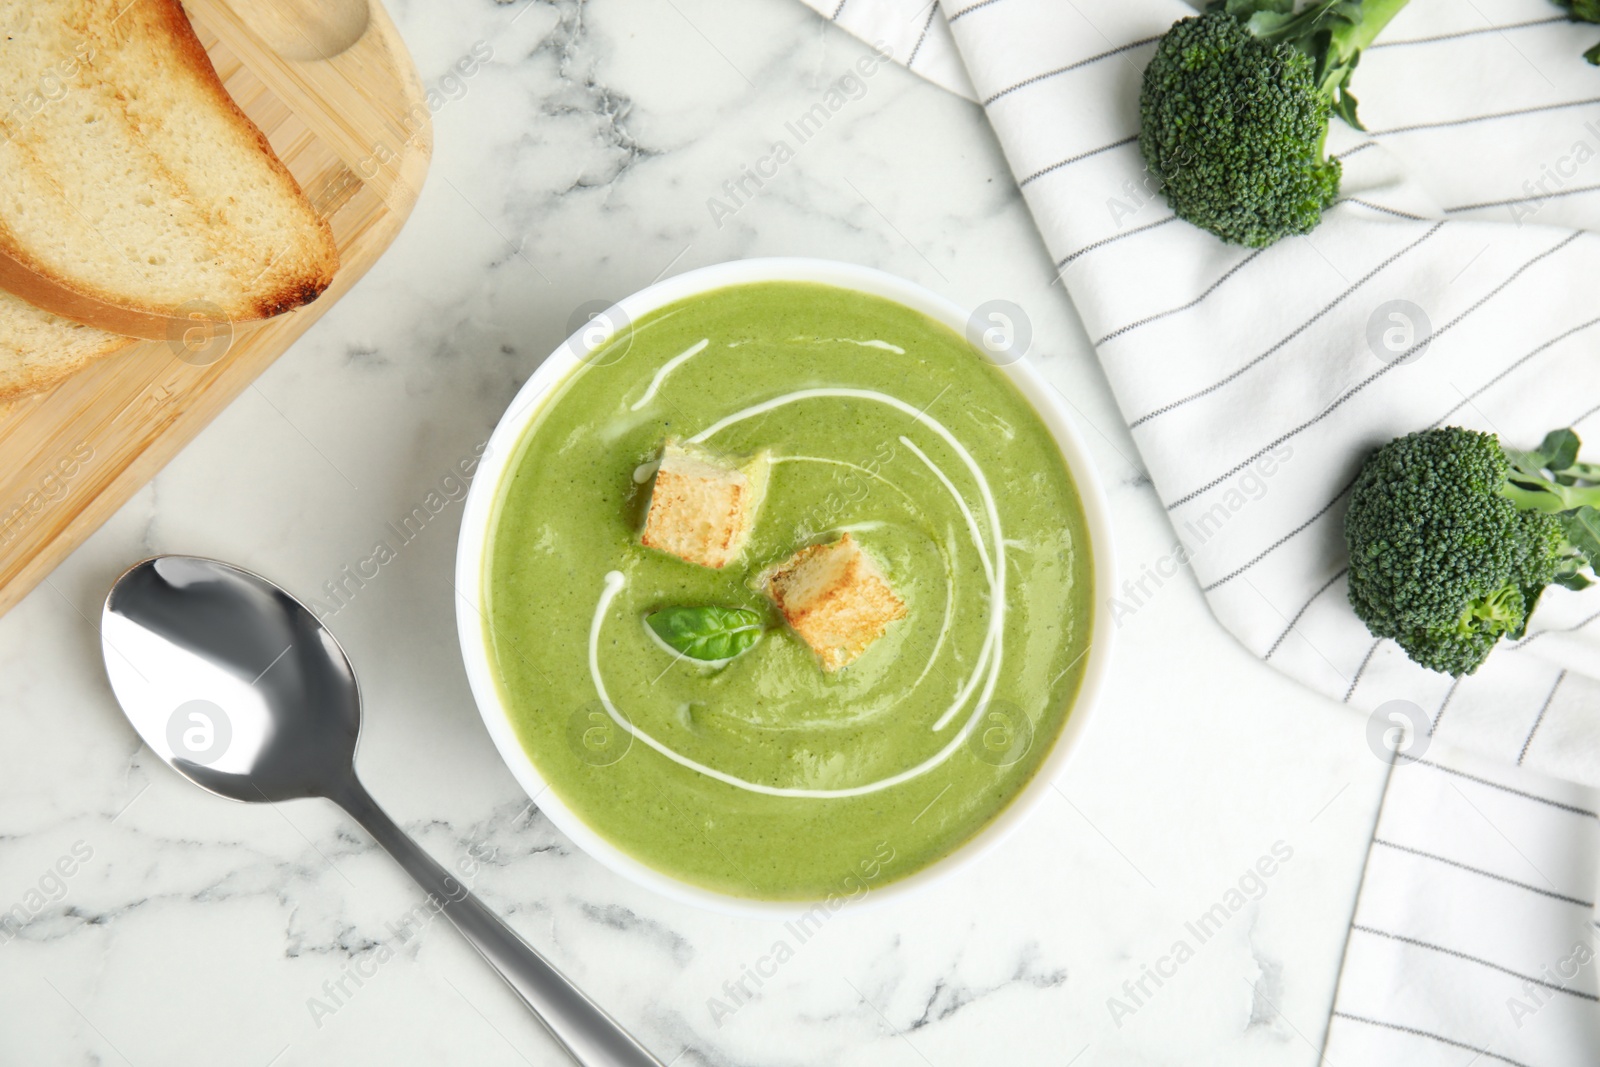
1584, 11
711, 634
1235, 106
1453, 538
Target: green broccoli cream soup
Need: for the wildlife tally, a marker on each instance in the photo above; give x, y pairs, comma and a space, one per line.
760, 774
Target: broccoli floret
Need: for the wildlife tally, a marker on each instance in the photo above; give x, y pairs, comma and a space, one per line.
1453, 538
1235, 107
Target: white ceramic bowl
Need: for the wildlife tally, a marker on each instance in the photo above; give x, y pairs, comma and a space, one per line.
492, 469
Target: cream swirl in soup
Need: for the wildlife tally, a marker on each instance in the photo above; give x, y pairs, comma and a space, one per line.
764, 775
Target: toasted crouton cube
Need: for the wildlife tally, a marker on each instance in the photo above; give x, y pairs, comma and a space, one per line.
835, 597
702, 506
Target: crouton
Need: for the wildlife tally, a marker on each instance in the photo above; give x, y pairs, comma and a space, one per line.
835, 598
703, 506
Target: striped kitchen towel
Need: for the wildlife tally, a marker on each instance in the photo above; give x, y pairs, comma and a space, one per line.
912, 31
1474, 937
1467, 241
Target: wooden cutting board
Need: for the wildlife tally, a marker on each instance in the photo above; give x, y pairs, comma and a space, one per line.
331, 85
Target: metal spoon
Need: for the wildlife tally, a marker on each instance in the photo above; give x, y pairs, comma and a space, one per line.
238, 687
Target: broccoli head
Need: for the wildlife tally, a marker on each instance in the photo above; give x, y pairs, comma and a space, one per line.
1235, 108
1453, 538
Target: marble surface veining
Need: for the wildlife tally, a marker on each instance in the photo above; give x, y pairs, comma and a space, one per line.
584, 158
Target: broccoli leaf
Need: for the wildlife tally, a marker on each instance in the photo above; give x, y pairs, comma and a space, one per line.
1267, 23
1568, 484
1582, 526
709, 634
1244, 9
1345, 108
1582, 10
1332, 33
1559, 450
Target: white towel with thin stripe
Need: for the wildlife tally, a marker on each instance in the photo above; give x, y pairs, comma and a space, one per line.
1255, 382
1473, 938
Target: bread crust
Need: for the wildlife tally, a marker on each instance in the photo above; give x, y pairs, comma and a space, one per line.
702, 506
25, 277
835, 598
37, 379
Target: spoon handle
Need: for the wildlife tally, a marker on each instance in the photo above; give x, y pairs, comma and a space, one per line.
590, 1036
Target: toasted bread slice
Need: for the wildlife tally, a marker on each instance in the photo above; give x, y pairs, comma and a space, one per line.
38, 349
703, 505
835, 597
135, 196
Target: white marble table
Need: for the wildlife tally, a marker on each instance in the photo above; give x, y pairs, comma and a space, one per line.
575, 165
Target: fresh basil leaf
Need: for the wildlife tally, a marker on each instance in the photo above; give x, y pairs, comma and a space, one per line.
1593, 55
708, 633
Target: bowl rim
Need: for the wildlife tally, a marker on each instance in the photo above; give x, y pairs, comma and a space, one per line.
479, 513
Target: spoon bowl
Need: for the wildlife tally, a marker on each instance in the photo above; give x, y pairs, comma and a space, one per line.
237, 686
231, 680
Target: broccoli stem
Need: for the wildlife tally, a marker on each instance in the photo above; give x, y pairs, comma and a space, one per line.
1348, 40
1327, 33
1549, 497
1501, 610
1529, 486
1297, 29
